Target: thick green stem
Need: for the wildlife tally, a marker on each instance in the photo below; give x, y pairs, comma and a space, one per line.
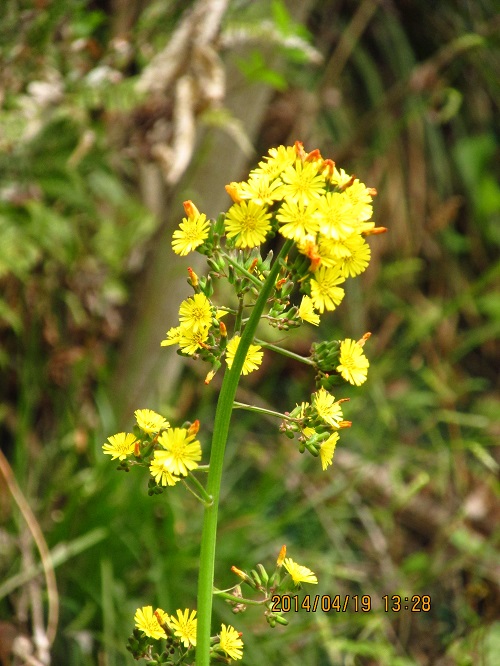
219, 439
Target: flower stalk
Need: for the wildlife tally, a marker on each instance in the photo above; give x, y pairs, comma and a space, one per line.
219, 440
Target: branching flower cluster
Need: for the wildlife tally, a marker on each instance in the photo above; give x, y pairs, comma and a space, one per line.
179, 637
323, 217
269, 586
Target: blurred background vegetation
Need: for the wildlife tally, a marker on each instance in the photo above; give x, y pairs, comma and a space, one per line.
111, 114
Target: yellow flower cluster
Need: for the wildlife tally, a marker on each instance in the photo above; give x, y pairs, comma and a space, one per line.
175, 451
182, 630
318, 423
304, 197
195, 319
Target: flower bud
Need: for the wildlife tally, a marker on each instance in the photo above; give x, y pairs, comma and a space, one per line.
244, 576
263, 574
256, 578
191, 210
194, 427
193, 278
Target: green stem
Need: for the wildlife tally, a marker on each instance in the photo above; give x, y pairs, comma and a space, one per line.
239, 600
284, 352
262, 410
219, 439
241, 269
203, 496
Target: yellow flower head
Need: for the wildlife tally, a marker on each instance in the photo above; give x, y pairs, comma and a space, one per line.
252, 360
356, 257
361, 197
195, 314
336, 215
328, 449
147, 622
120, 445
181, 451
149, 421
248, 222
184, 627
277, 160
353, 364
326, 407
193, 231
306, 311
299, 573
173, 337
340, 177
325, 293
262, 189
333, 251
190, 342
160, 471
302, 183
297, 220
230, 642
234, 191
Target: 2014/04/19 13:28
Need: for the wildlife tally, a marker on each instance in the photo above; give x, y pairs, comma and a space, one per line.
287, 603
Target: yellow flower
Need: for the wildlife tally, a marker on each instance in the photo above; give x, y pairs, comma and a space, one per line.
161, 616
340, 178
277, 160
252, 360
328, 449
230, 642
298, 220
147, 622
149, 421
173, 337
190, 342
234, 191
261, 189
336, 215
361, 198
299, 573
302, 183
325, 293
184, 627
193, 231
160, 471
331, 251
248, 222
181, 451
326, 407
195, 314
306, 311
353, 364
358, 258
120, 445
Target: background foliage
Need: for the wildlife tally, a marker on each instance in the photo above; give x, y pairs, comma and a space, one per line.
406, 96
